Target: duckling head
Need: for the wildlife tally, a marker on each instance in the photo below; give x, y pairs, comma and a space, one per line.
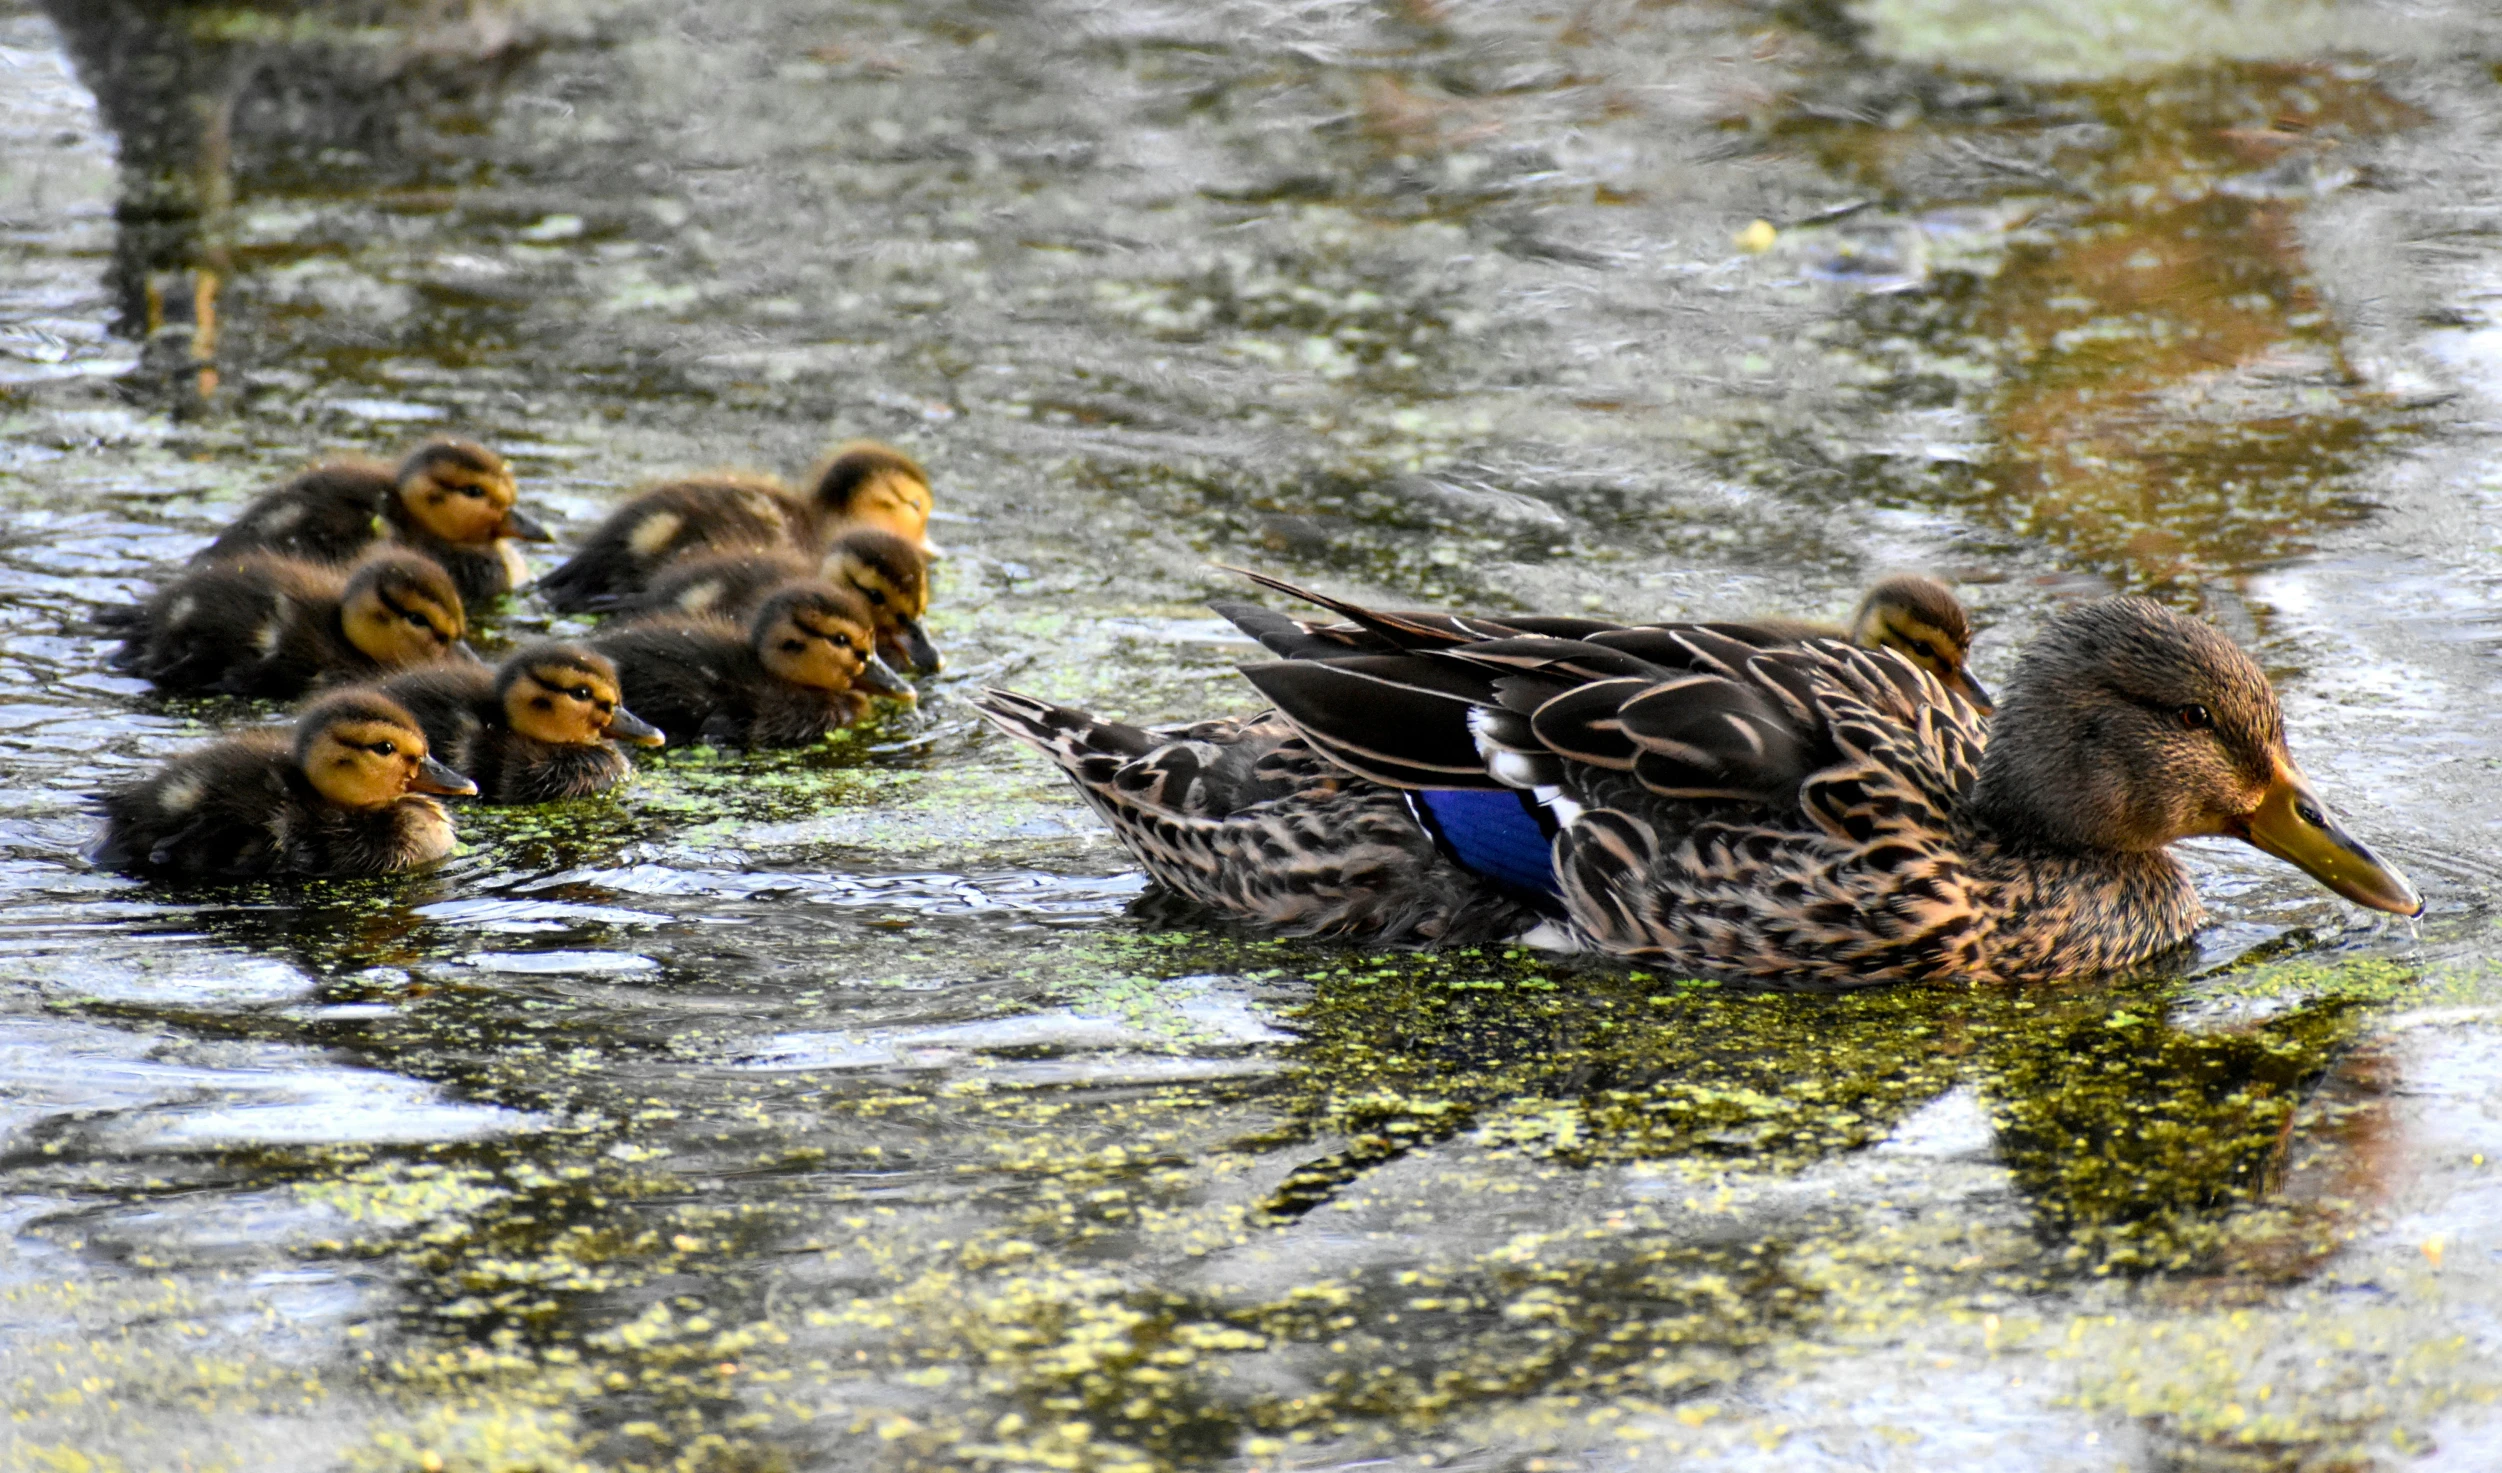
567, 696
867, 484
400, 608
463, 493
893, 578
815, 634
1920, 619
360, 749
2127, 726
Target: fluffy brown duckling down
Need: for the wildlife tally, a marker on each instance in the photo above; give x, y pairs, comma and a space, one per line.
542, 726
804, 665
452, 500
888, 573
861, 484
346, 793
276, 626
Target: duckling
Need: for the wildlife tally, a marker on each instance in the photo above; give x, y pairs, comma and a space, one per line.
861, 484
886, 571
540, 727
1913, 615
795, 673
275, 626
346, 793
449, 499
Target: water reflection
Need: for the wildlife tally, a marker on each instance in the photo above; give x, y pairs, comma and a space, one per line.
2167, 394
197, 95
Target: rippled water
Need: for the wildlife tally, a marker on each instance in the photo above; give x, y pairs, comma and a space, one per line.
859, 1108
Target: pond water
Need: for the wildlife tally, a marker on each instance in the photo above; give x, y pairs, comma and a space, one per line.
858, 1107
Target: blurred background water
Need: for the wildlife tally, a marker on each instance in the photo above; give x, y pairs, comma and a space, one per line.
857, 1108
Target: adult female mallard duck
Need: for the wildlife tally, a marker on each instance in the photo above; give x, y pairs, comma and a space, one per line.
861, 484
451, 500
344, 794
542, 726
1721, 801
275, 626
888, 573
804, 665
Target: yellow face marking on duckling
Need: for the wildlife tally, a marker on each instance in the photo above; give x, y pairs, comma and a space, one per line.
462, 505
894, 502
813, 647
887, 594
360, 762
1919, 619
567, 705
397, 626
654, 533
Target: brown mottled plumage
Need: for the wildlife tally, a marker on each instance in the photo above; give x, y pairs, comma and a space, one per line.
860, 485
1245, 818
542, 726
451, 500
803, 665
1722, 800
264, 625
343, 794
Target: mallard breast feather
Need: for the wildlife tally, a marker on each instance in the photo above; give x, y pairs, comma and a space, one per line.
1721, 800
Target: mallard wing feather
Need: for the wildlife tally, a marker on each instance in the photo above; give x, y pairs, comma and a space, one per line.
1246, 818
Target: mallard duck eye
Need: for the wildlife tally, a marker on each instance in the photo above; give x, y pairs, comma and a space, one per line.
580, 693
382, 749
2195, 717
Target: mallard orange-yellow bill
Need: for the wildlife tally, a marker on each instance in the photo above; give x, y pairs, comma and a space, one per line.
2294, 825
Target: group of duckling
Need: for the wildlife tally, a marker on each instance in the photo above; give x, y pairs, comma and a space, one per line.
740, 613
1773, 800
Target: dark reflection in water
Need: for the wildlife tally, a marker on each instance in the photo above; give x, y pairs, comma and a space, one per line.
197, 92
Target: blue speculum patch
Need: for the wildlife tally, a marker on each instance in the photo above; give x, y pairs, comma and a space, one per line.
1496, 833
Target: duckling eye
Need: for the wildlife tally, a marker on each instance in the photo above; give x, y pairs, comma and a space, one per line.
2194, 717
382, 749
580, 692
472, 490
417, 619
793, 646
876, 596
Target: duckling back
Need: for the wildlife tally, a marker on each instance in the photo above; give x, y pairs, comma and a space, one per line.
331, 513
715, 513
696, 678
271, 626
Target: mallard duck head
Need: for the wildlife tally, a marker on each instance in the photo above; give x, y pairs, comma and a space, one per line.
2127, 726
463, 493
567, 696
866, 484
1921, 619
815, 634
893, 577
400, 608
363, 750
